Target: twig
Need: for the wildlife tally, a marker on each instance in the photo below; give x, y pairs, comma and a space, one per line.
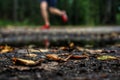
28, 51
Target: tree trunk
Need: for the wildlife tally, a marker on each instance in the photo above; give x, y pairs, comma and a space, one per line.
15, 14
110, 12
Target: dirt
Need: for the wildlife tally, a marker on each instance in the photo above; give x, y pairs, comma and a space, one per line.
74, 69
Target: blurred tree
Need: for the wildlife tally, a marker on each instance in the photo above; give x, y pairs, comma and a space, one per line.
15, 11
109, 12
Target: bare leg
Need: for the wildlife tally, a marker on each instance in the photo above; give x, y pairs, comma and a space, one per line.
44, 12
56, 11
60, 13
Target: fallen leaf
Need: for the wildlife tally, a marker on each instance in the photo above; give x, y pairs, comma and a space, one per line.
53, 57
80, 48
6, 49
106, 57
31, 55
78, 57
38, 50
71, 45
25, 62
44, 50
63, 48
93, 51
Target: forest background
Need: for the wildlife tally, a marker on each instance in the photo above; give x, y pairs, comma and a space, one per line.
80, 12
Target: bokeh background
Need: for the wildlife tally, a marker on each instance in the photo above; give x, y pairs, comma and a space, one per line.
80, 12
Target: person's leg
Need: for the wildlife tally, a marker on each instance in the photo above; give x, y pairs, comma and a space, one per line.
59, 13
43, 7
56, 11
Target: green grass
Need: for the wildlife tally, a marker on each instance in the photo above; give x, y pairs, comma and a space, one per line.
6, 23
118, 19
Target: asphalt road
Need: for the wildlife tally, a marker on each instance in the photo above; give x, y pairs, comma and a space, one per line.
17, 35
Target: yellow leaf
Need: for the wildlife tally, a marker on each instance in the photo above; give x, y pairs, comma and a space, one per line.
6, 49
71, 45
106, 57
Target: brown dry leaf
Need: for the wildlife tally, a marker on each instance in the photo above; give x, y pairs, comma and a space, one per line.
93, 51
98, 51
80, 48
78, 57
106, 57
71, 45
63, 48
44, 50
6, 49
38, 50
53, 57
31, 55
26, 62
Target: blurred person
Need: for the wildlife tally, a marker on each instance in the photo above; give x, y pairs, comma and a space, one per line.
50, 5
